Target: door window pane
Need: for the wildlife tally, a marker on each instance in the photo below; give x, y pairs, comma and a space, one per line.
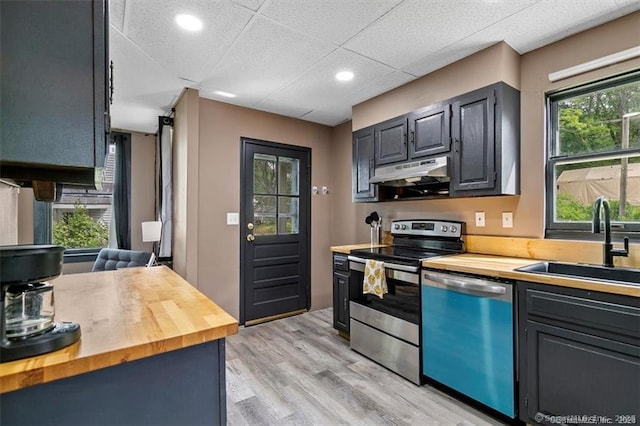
264, 214
288, 172
264, 174
288, 215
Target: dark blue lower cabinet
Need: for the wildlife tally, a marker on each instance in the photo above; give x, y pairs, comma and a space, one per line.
580, 356
181, 387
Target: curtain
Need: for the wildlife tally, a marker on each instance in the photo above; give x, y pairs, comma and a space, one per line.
122, 190
165, 179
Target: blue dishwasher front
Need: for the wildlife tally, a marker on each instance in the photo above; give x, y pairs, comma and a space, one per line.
467, 337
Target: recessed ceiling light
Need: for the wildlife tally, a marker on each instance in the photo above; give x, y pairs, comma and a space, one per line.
225, 94
189, 22
344, 76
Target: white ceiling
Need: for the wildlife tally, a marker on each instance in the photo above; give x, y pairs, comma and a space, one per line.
281, 55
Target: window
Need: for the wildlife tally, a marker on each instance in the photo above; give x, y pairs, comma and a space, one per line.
275, 194
594, 149
82, 218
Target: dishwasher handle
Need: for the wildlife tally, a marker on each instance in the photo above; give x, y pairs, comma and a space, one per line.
468, 285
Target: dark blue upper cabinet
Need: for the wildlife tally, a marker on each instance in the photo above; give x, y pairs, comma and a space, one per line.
54, 110
429, 131
363, 158
391, 141
486, 142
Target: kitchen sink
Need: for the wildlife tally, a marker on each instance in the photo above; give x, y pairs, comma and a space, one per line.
584, 271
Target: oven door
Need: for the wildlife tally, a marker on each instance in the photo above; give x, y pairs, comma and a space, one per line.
403, 281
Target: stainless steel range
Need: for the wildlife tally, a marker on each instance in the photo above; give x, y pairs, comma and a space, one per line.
388, 329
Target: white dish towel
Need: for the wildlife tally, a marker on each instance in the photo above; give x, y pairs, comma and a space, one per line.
375, 281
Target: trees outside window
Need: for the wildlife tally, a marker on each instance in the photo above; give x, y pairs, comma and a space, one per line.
594, 149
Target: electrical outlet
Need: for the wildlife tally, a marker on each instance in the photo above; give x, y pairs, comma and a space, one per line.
479, 219
507, 219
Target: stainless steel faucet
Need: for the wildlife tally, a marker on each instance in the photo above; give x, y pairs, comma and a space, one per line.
608, 252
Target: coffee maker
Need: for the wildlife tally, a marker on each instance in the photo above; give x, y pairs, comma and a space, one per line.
27, 326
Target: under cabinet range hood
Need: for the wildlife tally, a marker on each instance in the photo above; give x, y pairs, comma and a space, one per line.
433, 170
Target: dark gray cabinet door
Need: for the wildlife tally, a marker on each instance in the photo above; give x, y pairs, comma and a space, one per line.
579, 354
391, 141
486, 142
576, 373
429, 131
474, 141
363, 157
53, 89
341, 301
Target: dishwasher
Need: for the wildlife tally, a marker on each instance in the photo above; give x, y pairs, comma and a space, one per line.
468, 337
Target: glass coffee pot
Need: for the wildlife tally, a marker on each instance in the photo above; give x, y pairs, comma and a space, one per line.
29, 310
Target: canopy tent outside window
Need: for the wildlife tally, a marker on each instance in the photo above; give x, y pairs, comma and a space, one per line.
585, 185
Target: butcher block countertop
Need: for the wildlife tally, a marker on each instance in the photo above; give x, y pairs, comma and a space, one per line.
503, 267
347, 249
124, 315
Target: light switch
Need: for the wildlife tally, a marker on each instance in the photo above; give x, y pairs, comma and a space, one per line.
233, 218
479, 219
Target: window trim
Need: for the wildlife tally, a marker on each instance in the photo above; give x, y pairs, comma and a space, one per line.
580, 230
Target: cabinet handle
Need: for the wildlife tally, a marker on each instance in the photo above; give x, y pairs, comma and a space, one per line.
345, 305
110, 82
456, 144
412, 137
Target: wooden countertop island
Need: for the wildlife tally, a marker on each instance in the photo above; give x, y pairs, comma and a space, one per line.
150, 342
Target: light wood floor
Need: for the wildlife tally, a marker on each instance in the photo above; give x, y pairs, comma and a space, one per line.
298, 371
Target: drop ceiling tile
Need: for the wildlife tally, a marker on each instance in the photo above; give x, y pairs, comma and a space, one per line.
417, 28
328, 117
265, 58
452, 53
246, 100
191, 55
251, 4
150, 84
378, 87
136, 117
282, 108
116, 14
553, 20
335, 21
318, 86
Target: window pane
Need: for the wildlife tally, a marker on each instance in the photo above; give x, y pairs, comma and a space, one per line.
264, 214
81, 218
288, 214
579, 184
264, 174
602, 120
288, 177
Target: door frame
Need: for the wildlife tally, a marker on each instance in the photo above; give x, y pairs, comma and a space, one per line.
244, 141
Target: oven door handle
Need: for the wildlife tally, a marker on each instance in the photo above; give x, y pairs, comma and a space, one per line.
387, 265
464, 284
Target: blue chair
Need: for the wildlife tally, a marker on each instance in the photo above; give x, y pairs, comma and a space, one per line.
110, 259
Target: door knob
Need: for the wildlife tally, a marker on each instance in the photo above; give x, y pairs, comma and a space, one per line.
250, 237
249, 226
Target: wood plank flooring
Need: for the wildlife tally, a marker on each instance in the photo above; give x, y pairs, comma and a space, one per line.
298, 371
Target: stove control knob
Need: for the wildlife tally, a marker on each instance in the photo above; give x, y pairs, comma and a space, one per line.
404, 227
444, 228
396, 226
454, 229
